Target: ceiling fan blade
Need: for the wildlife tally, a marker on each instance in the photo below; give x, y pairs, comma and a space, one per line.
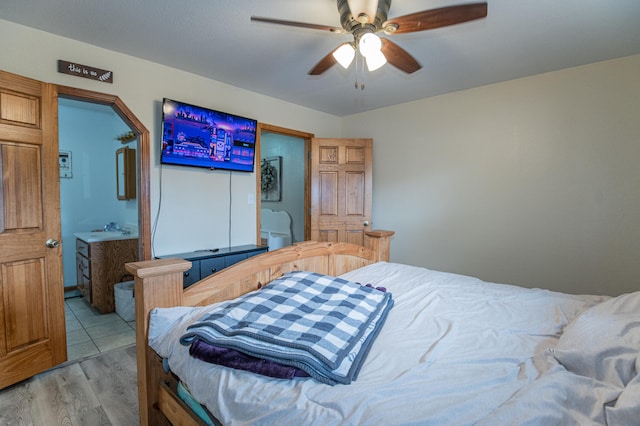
437, 18
324, 63
398, 57
298, 24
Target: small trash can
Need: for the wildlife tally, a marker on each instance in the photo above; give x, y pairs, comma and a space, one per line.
125, 305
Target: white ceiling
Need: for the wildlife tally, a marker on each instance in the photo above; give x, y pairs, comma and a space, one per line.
216, 39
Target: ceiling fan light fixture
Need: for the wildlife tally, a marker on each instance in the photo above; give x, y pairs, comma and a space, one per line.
375, 60
369, 44
363, 19
344, 55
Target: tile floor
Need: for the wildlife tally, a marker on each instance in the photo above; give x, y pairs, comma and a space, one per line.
90, 332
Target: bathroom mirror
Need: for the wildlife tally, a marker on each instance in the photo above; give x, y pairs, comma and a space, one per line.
126, 173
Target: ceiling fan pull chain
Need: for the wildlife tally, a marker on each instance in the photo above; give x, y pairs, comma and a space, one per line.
356, 67
363, 73
359, 84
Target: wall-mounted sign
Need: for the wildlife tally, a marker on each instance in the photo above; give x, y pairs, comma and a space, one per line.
85, 71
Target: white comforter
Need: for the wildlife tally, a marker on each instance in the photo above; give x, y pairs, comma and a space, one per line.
454, 351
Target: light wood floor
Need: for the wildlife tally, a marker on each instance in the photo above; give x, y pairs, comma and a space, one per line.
99, 390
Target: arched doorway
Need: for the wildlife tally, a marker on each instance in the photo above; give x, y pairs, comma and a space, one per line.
144, 217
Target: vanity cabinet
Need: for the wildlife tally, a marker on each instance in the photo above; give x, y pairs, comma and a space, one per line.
100, 266
208, 262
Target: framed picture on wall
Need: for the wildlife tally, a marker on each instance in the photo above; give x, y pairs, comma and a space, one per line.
271, 179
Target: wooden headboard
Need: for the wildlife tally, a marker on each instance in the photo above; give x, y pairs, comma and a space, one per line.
158, 284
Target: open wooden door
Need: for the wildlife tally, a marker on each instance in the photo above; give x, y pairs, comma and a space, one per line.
341, 189
32, 325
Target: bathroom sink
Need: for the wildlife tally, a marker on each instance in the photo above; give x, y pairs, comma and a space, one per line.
95, 236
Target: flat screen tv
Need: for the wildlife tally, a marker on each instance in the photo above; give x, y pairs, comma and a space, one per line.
202, 137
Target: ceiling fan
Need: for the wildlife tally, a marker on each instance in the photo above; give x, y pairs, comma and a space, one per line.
364, 18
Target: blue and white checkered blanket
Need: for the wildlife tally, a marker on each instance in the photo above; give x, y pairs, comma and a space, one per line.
323, 325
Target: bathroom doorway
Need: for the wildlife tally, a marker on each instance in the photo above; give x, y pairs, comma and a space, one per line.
92, 128
87, 139
87, 142
290, 149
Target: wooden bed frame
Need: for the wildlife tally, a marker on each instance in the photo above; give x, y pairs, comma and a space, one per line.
158, 284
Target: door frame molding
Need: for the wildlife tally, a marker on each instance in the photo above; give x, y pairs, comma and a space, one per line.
120, 108
262, 127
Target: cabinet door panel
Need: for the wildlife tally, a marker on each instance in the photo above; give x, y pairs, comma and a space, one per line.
192, 275
255, 253
234, 258
83, 276
21, 186
24, 302
211, 266
83, 248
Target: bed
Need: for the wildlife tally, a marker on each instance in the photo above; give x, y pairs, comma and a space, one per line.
452, 349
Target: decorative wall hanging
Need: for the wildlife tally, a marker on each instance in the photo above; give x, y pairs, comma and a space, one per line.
85, 71
270, 179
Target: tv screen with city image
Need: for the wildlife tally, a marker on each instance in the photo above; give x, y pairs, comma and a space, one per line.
201, 137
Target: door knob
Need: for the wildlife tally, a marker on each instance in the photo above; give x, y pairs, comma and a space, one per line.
51, 243
366, 223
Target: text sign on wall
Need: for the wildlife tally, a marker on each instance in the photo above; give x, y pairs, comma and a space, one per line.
85, 71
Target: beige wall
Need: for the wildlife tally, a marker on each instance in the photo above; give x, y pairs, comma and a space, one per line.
534, 182
195, 202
